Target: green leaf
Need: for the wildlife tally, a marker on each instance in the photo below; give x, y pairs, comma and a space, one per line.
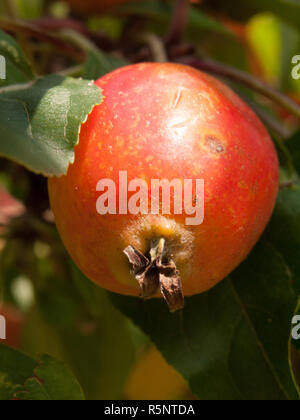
110, 25
287, 10
30, 9
98, 64
284, 232
199, 20
155, 9
52, 381
23, 378
264, 38
152, 8
290, 40
15, 369
40, 122
295, 359
296, 343
38, 337
103, 356
58, 309
14, 64
232, 341
293, 145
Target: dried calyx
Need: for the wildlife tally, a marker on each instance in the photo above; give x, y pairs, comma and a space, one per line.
157, 270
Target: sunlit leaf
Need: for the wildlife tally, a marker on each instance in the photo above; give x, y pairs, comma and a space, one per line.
40, 123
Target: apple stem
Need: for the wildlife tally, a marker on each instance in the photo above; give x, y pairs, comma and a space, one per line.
157, 271
156, 251
157, 47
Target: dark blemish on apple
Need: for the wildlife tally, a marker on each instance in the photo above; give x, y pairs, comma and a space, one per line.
214, 144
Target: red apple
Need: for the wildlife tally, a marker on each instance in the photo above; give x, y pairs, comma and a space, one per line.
167, 121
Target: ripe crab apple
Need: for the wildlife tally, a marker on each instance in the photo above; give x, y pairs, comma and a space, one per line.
162, 121
88, 7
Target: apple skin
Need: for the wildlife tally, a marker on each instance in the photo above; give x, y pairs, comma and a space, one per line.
168, 121
89, 7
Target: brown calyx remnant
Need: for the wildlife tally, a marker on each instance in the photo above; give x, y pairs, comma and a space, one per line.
159, 270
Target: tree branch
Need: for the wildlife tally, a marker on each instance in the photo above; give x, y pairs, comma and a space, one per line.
179, 21
157, 47
244, 79
31, 30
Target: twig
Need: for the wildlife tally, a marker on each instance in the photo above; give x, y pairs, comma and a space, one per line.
86, 45
157, 47
277, 127
179, 21
31, 30
52, 25
245, 79
16, 88
12, 12
74, 71
286, 184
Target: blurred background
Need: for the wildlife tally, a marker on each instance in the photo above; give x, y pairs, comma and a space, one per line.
49, 306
